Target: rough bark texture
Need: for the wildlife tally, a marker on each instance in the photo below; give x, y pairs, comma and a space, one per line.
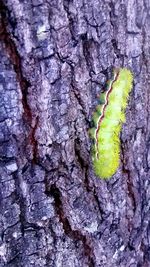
55, 58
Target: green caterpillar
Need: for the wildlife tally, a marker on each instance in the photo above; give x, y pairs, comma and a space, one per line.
108, 120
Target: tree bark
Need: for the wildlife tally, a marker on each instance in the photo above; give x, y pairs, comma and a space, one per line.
55, 58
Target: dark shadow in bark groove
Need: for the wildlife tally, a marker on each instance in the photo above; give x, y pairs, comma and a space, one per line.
73, 234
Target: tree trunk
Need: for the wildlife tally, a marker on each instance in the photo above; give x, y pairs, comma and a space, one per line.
55, 59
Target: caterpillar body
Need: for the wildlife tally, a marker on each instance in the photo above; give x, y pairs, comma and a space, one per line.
108, 120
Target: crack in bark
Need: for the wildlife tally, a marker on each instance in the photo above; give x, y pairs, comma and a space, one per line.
115, 27
73, 234
34, 141
15, 59
82, 161
129, 181
70, 20
20, 201
86, 50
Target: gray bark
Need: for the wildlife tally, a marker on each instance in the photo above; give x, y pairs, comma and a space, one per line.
55, 59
